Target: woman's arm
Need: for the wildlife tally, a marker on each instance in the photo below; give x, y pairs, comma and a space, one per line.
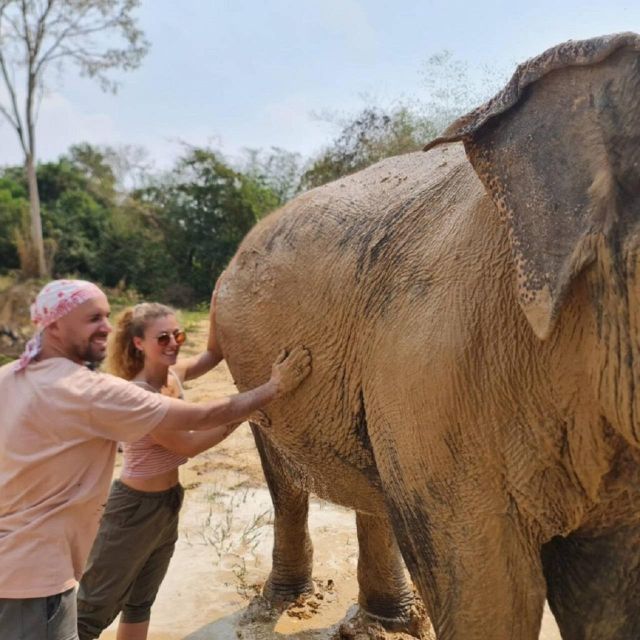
191, 443
195, 366
287, 373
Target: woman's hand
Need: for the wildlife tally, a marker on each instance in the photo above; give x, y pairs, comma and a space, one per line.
289, 370
195, 366
212, 344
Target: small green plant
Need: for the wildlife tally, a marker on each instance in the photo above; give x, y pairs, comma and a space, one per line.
250, 537
214, 493
243, 588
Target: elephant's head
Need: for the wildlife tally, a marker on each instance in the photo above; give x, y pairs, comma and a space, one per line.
559, 151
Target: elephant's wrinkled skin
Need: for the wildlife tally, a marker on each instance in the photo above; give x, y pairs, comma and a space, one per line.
474, 321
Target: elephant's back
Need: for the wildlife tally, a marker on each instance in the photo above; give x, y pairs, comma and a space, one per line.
347, 213
323, 267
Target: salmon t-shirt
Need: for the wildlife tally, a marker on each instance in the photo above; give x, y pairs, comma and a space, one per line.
59, 425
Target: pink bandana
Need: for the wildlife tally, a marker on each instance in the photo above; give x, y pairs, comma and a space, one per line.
54, 301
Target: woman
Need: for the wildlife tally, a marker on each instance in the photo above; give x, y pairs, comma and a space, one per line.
139, 527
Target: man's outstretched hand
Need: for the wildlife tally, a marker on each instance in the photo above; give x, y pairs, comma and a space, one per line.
290, 369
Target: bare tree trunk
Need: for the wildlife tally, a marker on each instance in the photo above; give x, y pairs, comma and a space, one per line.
36, 221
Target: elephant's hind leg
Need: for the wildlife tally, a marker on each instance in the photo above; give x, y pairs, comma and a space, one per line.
478, 578
384, 592
292, 561
594, 585
469, 554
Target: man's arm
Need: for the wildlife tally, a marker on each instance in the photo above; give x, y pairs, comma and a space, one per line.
287, 373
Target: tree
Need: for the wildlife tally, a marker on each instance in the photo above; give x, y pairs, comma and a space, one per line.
204, 208
278, 169
13, 213
38, 36
77, 198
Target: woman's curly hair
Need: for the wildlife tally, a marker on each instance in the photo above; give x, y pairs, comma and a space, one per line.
123, 359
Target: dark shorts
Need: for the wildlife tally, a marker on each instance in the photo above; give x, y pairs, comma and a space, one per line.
129, 558
49, 618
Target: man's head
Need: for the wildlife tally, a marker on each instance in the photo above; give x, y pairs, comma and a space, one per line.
72, 321
81, 334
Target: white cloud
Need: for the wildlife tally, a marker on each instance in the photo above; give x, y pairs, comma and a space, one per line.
60, 124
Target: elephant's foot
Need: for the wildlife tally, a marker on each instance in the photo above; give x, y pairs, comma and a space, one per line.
364, 626
393, 615
406, 615
280, 592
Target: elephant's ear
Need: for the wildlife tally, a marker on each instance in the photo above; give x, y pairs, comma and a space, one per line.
549, 149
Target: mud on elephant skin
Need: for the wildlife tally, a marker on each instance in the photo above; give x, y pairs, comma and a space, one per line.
473, 314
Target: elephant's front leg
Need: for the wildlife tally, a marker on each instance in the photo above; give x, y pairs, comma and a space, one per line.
292, 561
594, 584
384, 592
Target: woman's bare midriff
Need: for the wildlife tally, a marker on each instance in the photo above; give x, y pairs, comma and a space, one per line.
160, 482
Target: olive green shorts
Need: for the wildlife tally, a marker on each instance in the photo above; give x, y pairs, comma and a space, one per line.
129, 558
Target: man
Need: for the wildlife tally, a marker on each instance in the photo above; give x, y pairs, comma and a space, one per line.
59, 429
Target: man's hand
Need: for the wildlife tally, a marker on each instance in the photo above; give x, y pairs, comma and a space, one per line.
289, 370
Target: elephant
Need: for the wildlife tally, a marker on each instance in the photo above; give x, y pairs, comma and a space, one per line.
473, 313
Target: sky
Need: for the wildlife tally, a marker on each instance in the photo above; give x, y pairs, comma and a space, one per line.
239, 74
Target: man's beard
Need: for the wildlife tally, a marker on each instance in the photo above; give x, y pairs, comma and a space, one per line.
91, 354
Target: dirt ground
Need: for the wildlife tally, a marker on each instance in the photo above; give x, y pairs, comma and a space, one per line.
224, 551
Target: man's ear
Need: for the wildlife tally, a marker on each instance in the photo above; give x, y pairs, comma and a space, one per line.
54, 329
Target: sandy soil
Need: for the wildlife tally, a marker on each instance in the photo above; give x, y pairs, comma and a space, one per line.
224, 552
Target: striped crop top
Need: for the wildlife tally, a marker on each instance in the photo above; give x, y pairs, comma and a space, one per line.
145, 458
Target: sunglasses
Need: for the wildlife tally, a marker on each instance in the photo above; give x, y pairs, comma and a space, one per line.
164, 338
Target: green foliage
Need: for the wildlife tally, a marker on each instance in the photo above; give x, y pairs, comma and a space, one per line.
278, 169
132, 251
203, 213
14, 210
95, 36
77, 199
93, 165
168, 241
77, 223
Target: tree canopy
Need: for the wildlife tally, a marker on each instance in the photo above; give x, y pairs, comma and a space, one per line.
169, 240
